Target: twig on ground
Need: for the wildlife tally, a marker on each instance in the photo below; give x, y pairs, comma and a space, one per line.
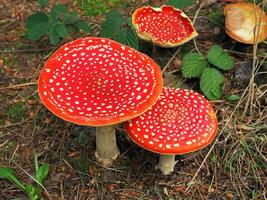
3, 144
169, 62
19, 85
24, 50
194, 20
251, 91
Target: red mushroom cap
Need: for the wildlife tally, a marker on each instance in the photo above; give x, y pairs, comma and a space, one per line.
165, 26
97, 81
181, 121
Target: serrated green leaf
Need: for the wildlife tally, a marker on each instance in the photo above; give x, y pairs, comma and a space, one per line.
217, 18
35, 19
53, 35
233, 97
211, 82
128, 37
8, 173
111, 25
37, 31
82, 26
58, 11
43, 3
61, 30
219, 58
193, 64
42, 172
180, 3
70, 18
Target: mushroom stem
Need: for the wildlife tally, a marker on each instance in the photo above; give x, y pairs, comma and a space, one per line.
154, 51
166, 163
106, 146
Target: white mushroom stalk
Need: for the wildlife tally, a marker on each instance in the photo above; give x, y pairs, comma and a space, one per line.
99, 82
166, 163
106, 145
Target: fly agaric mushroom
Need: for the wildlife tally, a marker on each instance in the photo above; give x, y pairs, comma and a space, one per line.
245, 22
99, 82
181, 121
165, 26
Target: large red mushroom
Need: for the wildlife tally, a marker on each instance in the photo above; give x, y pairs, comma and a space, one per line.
99, 82
181, 121
165, 26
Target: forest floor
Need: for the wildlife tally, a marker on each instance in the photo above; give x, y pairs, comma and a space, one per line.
232, 167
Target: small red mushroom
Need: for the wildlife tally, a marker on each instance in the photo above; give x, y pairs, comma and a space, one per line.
181, 121
165, 26
99, 82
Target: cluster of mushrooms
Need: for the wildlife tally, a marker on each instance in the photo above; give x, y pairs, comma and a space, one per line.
98, 82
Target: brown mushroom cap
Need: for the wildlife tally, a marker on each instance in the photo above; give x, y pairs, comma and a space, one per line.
97, 81
241, 20
165, 26
181, 121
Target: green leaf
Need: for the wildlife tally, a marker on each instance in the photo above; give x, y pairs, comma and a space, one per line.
211, 82
128, 37
61, 30
180, 3
129, 22
82, 26
37, 31
213, 158
42, 172
111, 25
72, 29
8, 173
219, 58
53, 35
43, 3
70, 18
217, 18
32, 192
58, 11
193, 65
233, 97
35, 19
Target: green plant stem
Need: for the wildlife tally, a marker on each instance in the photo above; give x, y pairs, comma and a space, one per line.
36, 162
